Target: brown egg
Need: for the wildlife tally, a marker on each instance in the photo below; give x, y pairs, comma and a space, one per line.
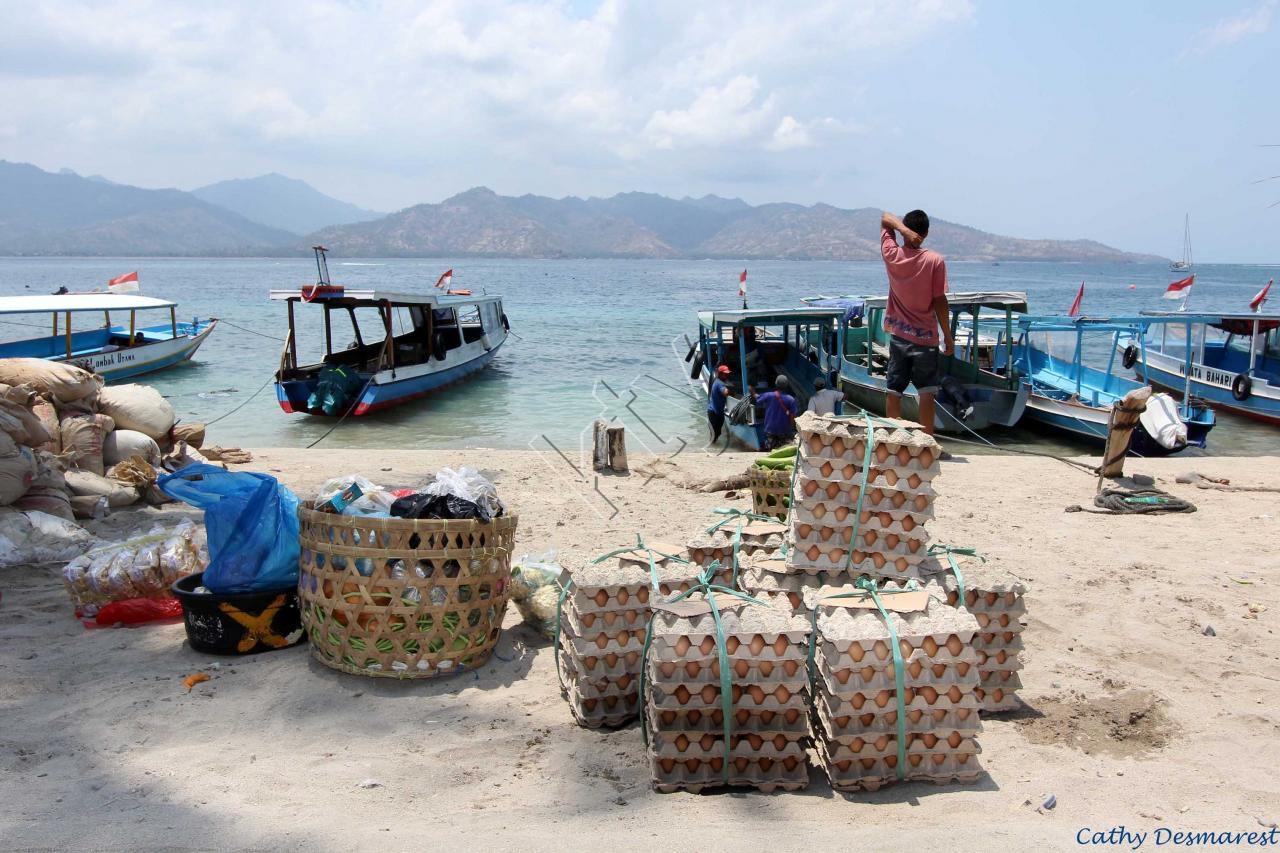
826, 469
908, 523
804, 530
707, 644
819, 511
708, 694
842, 512
837, 446
832, 491
904, 456
859, 449
891, 541
642, 594
925, 457
881, 454
611, 660
815, 443
731, 644
921, 503
681, 743
856, 652
780, 645
930, 647
954, 645
682, 646
914, 481
813, 552
623, 595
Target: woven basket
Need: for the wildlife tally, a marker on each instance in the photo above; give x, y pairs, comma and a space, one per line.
403, 598
770, 492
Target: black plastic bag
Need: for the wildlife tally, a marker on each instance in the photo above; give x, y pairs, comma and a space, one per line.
438, 506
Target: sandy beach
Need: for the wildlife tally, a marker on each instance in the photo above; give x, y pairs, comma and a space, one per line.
1134, 716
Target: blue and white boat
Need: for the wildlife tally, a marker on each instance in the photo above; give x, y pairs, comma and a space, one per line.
1069, 395
112, 349
1230, 360
758, 345
443, 337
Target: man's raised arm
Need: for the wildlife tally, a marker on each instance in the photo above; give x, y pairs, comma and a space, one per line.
890, 222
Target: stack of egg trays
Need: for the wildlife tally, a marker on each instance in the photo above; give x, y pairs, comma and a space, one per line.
757, 539
995, 597
767, 651
897, 500
855, 709
602, 630
770, 580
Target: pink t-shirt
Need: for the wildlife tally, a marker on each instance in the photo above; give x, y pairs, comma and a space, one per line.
916, 278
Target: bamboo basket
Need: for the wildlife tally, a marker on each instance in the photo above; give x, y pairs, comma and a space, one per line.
770, 492
403, 598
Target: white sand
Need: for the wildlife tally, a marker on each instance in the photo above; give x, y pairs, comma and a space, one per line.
1135, 717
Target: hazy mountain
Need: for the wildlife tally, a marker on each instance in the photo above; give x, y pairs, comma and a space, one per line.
481, 222
284, 203
42, 213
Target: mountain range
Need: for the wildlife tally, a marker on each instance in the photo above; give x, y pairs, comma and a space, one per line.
43, 213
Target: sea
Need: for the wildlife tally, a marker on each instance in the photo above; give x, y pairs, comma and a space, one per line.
590, 338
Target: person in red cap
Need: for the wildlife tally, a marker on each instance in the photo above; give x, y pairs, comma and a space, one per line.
716, 400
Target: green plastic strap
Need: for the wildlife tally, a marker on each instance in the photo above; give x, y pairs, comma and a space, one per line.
867, 587
955, 567
730, 514
564, 593
862, 493
649, 552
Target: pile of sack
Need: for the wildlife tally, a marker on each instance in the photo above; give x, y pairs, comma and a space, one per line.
71, 447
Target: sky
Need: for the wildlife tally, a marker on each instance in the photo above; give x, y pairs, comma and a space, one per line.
1102, 120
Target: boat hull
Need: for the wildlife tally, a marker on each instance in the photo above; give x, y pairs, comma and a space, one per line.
1208, 383
387, 390
117, 364
992, 407
1090, 422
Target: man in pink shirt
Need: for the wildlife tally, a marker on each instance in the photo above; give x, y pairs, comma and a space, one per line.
917, 308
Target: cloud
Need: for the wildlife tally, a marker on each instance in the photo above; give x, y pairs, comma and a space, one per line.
397, 101
1228, 31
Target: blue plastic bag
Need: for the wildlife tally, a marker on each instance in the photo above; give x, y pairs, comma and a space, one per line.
251, 522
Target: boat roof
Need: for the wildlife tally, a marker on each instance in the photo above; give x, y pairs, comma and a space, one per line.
348, 294
769, 316
1011, 299
1203, 317
76, 302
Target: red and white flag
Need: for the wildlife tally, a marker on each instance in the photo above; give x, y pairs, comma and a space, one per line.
1075, 306
1181, 288
742, 283
127, 283
1255, 304
445, 280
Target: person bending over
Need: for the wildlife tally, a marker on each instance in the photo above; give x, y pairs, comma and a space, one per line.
825, 401
916, 309
779, 414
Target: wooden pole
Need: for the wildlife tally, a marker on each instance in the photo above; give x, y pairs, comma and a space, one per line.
173, 321
1124, 416
68, 334
133, 323
609, 447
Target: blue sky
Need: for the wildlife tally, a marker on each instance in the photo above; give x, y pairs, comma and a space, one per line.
1101, 120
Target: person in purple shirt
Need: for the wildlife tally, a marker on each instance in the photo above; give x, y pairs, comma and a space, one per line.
780, 412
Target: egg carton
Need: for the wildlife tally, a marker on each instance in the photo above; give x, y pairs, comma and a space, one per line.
610, 711
706, 697
1006, 680
1009, 641
869, 680
998, 660
872, 774
865, 538
982, 578
842, 569
998, 699
792, 721
885, 490
607, 665
866, 545
754, 537
931, 628
838, 436
571, 667
694, 775
707, 745
796, 682
902, 524
940, 743
844, 460
610, 623
662, 554
627, 687
998, 622
750, 631
819, 510
601, 644
741, 671
842, 727
925, 699
929, 654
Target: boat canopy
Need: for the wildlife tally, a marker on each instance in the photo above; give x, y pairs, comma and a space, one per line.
77, 302
373, 297
1004, 300
769, 317
1235, 324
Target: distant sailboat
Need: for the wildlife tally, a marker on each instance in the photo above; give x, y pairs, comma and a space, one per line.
1186, 263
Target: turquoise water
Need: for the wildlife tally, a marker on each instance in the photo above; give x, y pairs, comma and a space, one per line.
594, 336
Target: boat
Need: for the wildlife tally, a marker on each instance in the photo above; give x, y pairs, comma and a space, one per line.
1230, 360
1185, 264
444, 337
977, 391
758, 345
113, 351
1069, 395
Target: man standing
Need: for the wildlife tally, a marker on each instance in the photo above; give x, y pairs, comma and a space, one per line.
716, 400
779, 414
825, 401
916, 309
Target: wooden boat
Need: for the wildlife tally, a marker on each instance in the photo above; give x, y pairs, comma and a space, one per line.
1069, 395
1230, 360
444, 337
114, 351
760, 345
978, 392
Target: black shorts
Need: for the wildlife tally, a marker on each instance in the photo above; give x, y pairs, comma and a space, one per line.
912, 364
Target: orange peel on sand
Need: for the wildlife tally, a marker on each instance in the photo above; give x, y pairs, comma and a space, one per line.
193, 679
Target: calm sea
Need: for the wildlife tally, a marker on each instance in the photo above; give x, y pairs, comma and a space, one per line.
595, 337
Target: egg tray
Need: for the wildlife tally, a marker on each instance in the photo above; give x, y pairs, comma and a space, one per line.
843, 727
609, 665
751, 631
903, 524
606, 586
998, 660
694, 776
871, 564
869, 681
741, 671
945, 743
1006, 680
847, 626
867, 539
588, 624
792, 721
823, 511
917, 653
607, 712
868, 543
881, 486
980, 576
995, 701
592, 685
993, 622
1010, 641
926, 699
839, 436
872, 774
601, 644
663, 554
708, 745
681, 697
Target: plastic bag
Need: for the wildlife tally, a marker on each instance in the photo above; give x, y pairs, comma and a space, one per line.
470, 485
136, 611
252, 525
373, 500
535, 589
27, 538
